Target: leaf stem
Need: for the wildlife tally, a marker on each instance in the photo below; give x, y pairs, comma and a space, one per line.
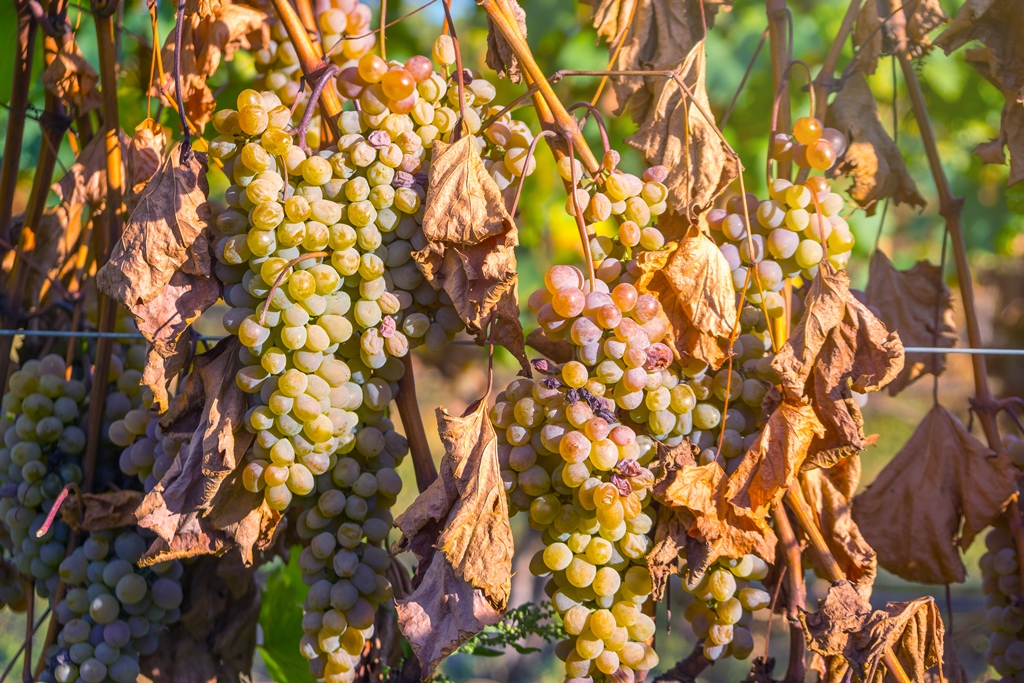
412, 421
805, 517
179, 27
796, 670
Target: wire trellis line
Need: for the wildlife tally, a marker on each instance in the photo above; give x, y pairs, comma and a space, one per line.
461, 342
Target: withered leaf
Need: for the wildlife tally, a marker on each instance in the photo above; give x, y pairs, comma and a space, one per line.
161, 269
200, 506
471, 240
72, 78
867, 38
850, 635
700, 491
500, 56
941, 489
832, 511
459, 530
145, 156
998, 24
694, 285
85, 183
838, 345
208, 36
911, 302
872, 160
216, 636
56, 236
674, 132
100, 511
886, 26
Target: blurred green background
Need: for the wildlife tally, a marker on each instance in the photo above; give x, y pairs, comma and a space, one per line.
965, 111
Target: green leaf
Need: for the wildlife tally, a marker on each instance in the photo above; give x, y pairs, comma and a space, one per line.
281, 620
1015, 198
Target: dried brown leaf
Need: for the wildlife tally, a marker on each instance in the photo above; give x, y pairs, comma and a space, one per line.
832, 513
212, 33
161, 269
697, 495
100, 511
941, 489
998, 24
471, 240
56, 236
71, 78
216, 636
850, 635
459, 530
911, 302
145, 156
694, 285
500, 56
200, 506
867, 37
85, 183
886, 26
674, 133
872, 160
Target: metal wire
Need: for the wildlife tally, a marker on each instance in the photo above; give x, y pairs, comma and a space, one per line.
461, 342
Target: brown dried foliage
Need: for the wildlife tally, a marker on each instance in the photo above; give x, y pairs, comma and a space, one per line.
500, 56
200, 505
471, 240
853, 638
459, 530
872, 160
694, 285
999, 25
912, 302
99, 511
938, 493
883, 24
162, 268
72, 78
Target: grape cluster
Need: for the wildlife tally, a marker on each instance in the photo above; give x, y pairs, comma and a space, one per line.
346, 557
1001, 583
277, 63
723, 606
150, 453
113, 611
43, 442
12, 589
794, 230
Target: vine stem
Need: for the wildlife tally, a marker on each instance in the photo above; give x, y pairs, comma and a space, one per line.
825, 81
503, 19
105, 239
409, 410
796, 670
310, 60
689, 668
24, 50
781, 52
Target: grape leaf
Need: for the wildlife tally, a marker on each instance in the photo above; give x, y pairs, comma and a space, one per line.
459, 530
200, 506
281, 621
872, 160
906, 301
145, 157
471, 240
72, 79
500, 56
99, 511
694, 285
884, 26
161, 268
998, 24
215, 638
211, 33
853, 638
941, 489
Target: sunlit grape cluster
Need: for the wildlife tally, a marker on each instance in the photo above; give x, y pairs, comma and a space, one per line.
724, 603
278, 66
1001, 583
43, 439
113, 611
795, 229
346, 555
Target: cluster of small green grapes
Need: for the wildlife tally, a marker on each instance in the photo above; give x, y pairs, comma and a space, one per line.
113, 611
724, 603
278, 64
346, 556
794, 230
42, 445
150, 454
1001, 583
